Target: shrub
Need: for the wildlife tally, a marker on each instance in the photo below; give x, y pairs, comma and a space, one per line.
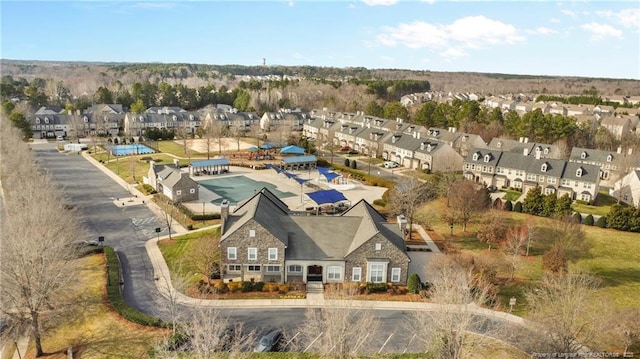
508, 206
588, 220
380, 202
247, 286
257, 286
220, 287
376, 287
270, 287
283, 288
414, 284
577, 217
234, 286
518, 207
147, 188
602, 222
497, 204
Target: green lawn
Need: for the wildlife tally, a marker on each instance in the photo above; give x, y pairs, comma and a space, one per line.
176, 149
601, 206
511, 195
178, 251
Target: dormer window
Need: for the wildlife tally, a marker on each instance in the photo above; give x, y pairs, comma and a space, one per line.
609, 158
464, 138
579, 172
544, 167
476, 156
46, 120
429, 147
487, 157
191, 117
546, 151
86, 119
141, 119
499, 144
422, 146
175, 118
37, 120
583, 155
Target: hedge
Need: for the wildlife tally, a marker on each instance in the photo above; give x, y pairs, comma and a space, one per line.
115, 297
376, 287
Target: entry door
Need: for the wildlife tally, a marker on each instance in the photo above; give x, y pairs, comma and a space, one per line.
314, 273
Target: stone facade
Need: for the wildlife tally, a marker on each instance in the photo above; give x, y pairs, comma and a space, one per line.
252, 235
368, 253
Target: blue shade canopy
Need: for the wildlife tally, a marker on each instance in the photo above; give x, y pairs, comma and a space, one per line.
299, 159
330, 176
290, 175
266, 146
324, 169
253, 148
292, 150
300, 180
327, 196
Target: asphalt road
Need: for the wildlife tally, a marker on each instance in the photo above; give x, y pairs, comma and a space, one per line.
126, 229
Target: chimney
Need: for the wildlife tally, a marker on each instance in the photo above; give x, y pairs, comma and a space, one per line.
630, 151
224, 214
538, 155
619, 151
525, 152
521, 140
526, 140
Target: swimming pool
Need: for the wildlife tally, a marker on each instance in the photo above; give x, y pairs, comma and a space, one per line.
132, 149
239, 188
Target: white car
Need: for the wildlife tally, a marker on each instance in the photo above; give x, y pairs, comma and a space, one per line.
390, 164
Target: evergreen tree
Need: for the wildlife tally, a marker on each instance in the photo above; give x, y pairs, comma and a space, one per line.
549, 202
508, 206
414, 284
533, 201
602, 222
563, 206
518, 207
588, 220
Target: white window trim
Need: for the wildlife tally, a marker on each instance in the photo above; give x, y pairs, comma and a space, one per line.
257, 268
273, 254
270, 269
356, 274
370, 272
395, 274
294, 271
232, 253
252, 252
252, 233
230, 270
334, 273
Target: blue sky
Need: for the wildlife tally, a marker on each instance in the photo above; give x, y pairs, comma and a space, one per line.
562, 38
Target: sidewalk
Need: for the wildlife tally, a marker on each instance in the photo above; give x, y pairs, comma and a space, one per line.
162, 278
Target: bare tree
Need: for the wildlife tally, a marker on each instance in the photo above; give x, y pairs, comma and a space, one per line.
208, 334
175, 284
561, 313
626, 328
336, 331
444, 332
516, 239
491, 228
37, 258
206, 255
566, 240
406, 197
168, 213
532, 232
467, 199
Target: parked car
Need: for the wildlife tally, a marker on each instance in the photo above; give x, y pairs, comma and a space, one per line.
353, 152
390, 164
269, 342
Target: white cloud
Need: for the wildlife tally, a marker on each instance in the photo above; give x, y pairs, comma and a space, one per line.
600, 31
542, 31
379, 2
453, 53
453, 39
569, 13
630, 18
428, 1
554, 20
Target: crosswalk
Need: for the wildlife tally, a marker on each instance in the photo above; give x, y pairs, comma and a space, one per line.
147, 226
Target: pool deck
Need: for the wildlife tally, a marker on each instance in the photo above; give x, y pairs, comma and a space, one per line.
283, 184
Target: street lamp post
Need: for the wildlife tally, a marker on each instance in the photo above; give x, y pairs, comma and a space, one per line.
512, 302
203, 213
158, 229
451, 227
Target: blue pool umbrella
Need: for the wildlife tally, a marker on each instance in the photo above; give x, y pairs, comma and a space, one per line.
266, 147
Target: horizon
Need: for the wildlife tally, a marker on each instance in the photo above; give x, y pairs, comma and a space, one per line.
560, 39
